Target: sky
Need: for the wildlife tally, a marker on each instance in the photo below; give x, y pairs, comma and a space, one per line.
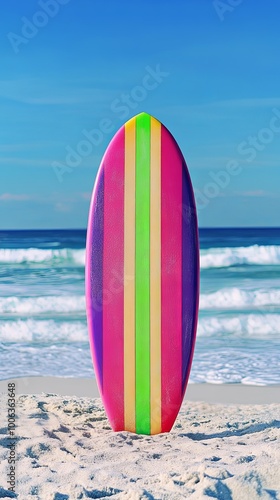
70, 70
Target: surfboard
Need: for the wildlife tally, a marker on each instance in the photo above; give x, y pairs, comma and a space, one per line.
142, 277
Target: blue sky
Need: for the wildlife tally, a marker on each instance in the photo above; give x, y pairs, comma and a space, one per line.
216, 88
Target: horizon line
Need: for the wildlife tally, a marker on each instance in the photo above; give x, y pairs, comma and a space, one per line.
85, 229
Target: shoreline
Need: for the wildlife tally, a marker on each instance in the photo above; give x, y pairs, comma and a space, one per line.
87, 387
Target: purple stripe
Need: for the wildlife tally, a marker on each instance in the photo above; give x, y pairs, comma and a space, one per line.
190, 275
96, 277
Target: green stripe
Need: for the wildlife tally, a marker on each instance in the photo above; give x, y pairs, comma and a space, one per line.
142, 273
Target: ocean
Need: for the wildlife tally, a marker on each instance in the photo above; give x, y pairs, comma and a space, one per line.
43, 330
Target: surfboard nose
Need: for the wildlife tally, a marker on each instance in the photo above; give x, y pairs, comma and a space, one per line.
143, 113
143, 116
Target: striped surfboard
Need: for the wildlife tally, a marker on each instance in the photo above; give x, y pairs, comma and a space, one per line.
142, 277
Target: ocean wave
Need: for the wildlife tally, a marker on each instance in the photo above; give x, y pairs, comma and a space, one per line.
232, 298
51, 331
65, 256
253, 255
40, 305
43, 331
210, 258
250, 325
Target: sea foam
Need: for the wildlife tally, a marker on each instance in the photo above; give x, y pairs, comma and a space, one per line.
232, 298
253, 255
41, 305
210, 258
250, 325
43, 331
65, 256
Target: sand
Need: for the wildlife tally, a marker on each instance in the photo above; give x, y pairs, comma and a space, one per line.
65, 448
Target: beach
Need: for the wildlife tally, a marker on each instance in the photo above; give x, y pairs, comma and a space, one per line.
140, 250
65, 449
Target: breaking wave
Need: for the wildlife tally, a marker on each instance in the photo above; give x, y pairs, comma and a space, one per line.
45, 304
232, 298
31, 330
227, 257
255, 325
65, 256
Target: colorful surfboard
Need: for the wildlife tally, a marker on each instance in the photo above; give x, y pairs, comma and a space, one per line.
142, 277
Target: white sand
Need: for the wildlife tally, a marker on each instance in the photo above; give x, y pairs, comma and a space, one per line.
66, 450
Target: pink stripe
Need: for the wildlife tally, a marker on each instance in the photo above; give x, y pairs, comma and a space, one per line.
113, 269
171, 276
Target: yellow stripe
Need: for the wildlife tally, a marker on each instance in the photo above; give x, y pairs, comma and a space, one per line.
155, 276
129, 277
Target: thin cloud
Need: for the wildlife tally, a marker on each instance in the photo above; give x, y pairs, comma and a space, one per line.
216, 109
10, 148
34, 91
258, 193
86, 196
62, 207
14, 197
260, 102
61, 203
25, 162
91, 161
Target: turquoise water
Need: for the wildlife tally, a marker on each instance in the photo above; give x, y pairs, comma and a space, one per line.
42, 307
